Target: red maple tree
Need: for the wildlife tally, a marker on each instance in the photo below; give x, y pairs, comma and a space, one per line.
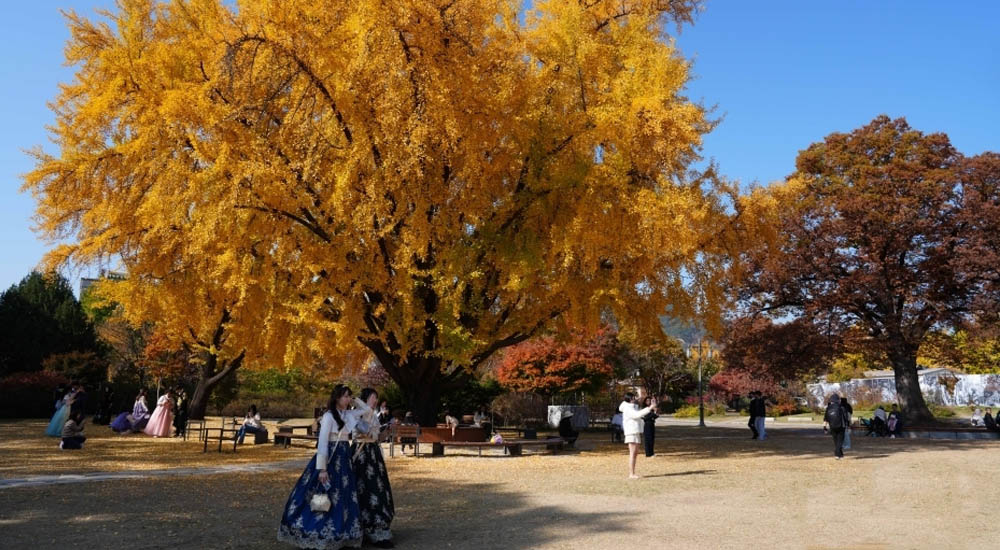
550, 366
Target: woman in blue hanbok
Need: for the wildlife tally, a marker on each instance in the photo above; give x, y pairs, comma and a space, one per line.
55, 427
322, 510
374, 492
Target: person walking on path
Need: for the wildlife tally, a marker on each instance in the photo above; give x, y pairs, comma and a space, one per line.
760, 415
834, 418
752, 409
848, 411
374, 492
632, 427
322, 510
649, 428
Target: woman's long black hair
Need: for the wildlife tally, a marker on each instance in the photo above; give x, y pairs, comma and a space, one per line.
338, 391
366, 393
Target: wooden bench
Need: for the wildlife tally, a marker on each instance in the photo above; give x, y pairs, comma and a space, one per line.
286, 434
404, 435
938, 432
222, 436
189, 426
513, 447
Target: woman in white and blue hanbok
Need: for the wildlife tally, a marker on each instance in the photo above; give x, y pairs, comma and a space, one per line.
59, 419
329, 472
374, 492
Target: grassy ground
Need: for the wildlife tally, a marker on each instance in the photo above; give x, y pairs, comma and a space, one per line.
706, 488
24, 451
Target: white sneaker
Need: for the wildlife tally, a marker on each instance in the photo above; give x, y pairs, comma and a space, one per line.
60, 444
839, 457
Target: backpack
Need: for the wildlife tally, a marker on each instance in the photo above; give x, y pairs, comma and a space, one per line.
835, 416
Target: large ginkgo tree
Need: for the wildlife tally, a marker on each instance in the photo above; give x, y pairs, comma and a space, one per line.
427, 180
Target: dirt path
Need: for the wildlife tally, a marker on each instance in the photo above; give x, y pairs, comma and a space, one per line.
706, 489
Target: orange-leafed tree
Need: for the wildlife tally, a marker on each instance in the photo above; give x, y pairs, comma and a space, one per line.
882, 229
429, 179
548, 366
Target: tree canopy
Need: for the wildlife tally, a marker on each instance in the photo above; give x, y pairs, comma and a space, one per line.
428, 180
547, 366
41, 317
877, 229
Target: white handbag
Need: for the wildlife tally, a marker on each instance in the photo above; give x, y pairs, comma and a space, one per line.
319, 503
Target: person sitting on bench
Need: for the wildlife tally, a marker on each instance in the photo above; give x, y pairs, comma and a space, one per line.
977, 417
451, 422
408, 420
989, 421
251, 424
566, 430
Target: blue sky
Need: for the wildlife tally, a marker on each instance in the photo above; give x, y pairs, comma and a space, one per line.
783, 74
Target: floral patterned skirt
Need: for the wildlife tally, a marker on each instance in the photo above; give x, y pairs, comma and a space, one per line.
337, 528
374, 492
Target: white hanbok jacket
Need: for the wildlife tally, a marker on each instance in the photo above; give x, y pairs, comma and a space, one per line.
632, 417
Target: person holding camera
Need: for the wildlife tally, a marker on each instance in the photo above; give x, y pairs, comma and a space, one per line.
632, 425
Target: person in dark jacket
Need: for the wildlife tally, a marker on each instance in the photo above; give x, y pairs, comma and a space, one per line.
989, 421
180, 412
752, 424
896, 428
834, 417
760, 415
649, 427
566, 430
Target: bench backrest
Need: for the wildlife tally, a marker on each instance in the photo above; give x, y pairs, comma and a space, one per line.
409, 432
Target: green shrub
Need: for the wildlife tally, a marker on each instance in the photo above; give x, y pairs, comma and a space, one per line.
940, 411
277, 405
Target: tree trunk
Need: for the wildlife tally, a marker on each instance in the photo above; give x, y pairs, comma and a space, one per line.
422, 382
425, 404
199, 401
911, 399
207, 382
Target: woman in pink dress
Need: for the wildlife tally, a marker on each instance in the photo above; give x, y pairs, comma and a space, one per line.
162, 419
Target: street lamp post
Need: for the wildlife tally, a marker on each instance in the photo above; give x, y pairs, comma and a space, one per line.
701, 394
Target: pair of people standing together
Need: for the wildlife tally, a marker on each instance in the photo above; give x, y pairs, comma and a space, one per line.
633, 426
343, 497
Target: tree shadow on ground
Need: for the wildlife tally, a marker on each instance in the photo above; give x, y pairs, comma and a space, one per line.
243, 511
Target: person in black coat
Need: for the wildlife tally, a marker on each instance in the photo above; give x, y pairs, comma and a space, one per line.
566, 430
649, 428
180, 412
752, 408
989, 421
835, 417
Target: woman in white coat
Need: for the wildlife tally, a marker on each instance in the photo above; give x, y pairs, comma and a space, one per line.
632, 426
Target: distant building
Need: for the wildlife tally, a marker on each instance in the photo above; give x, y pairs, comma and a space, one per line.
85, 282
